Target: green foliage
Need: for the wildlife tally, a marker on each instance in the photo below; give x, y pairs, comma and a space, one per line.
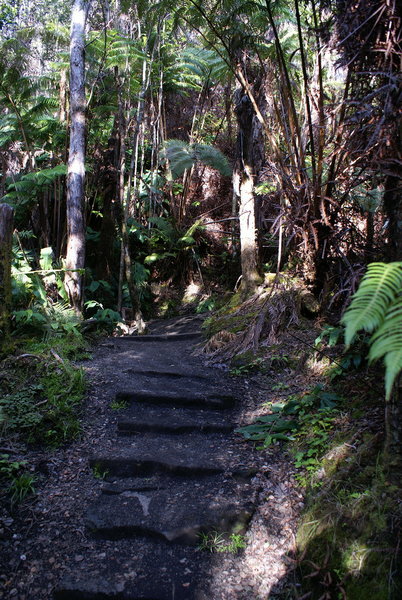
313, 439
344, 539
206, 305
307, 418
202, 65
219, 542
329, 334
27, 189
98, 472
351, 359
21, 487
33, 288
106, 317
117, 404
376, 308
9, 468
182, 156
41, 399
251, 366
51, 320
19, 484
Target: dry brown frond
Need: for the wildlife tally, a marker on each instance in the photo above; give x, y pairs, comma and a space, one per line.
274, 309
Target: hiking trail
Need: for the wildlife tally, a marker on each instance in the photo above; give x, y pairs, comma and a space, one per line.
159, 478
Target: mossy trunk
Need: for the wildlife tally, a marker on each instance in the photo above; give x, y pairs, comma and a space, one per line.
6, 238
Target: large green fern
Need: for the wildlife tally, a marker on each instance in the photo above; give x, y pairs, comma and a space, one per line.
387, 342
182, 156
376, 308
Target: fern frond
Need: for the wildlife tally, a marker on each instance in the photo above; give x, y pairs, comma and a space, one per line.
212, 157
387, 343
182, 156
377, 290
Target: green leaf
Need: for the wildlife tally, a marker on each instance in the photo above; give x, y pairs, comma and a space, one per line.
387, 343
182, 156
188, 240
282, 425
267, 419
377, 290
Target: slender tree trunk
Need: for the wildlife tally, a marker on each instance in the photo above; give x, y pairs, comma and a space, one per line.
6, 237
63, 96
75, 258
126, 265
247, 150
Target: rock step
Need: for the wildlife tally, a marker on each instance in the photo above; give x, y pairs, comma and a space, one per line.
172, 375
179, 384
177, 398
138, 570
162, 337
187, 454
142, 417
178, 511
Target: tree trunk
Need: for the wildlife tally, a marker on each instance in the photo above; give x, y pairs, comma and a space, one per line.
247, 167
6, 238
248, 237
75, 258
126, 265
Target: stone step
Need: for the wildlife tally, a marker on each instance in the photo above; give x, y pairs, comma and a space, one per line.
137, 569
187, 454
143, 417
178, 511
153, 587
169, 375
162, 337
177, 398
184, 383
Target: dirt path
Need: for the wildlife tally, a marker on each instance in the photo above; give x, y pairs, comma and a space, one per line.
124, 512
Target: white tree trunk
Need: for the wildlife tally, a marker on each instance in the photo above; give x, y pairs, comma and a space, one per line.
75, 257
248, 233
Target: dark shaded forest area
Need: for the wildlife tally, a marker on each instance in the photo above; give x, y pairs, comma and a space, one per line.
240, 160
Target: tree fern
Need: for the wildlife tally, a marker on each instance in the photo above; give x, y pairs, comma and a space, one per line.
377, 291
377, 307
182, 156
387, 342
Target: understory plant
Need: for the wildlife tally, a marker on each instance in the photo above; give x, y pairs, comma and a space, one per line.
42, 394
213, 541
16, 481
306, 420
376, 308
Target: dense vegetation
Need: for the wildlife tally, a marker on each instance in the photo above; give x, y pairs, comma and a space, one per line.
161, 153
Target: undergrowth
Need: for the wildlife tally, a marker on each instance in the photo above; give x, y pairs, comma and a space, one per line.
333, 433
42, 394
40, 405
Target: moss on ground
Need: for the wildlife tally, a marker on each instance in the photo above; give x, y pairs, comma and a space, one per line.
42, 392
347, 538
